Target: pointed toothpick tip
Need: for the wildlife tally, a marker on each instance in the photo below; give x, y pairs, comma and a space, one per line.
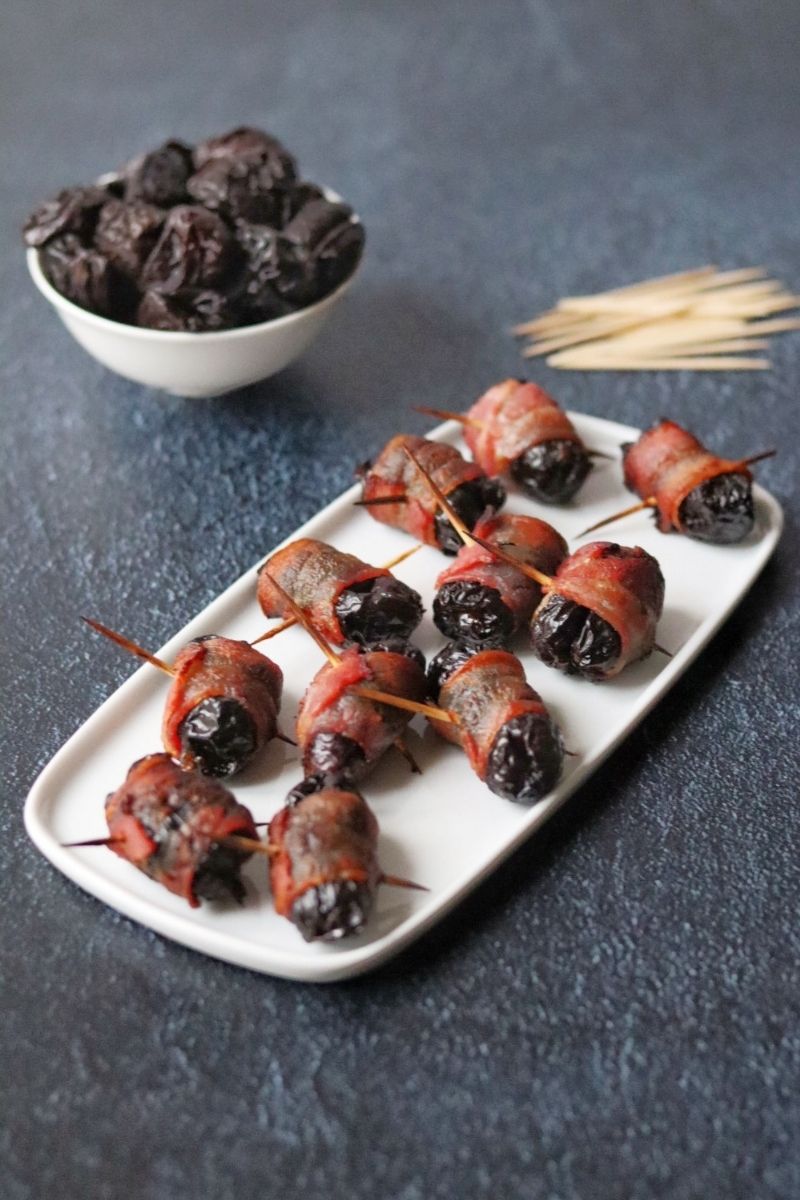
127, 644
650, 502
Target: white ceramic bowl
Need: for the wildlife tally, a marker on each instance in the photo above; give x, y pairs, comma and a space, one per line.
192, 364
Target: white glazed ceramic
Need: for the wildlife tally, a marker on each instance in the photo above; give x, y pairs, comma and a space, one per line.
192, 364
442, 828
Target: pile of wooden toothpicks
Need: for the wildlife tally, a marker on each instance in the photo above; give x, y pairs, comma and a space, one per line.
701, 320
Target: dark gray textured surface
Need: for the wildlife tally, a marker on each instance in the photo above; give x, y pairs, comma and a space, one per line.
614, 1015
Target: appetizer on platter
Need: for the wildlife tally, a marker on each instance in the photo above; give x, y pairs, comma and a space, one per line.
517, 428
347, 600
689, 489
222, 707
484, 601
394, 493
182, 829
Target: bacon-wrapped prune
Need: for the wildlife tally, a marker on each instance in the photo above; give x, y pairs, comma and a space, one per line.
174, 825
74, 210
196, 250
160, 176
502, 724
346, 599
601, 611
395, 492
324, 870
485, 600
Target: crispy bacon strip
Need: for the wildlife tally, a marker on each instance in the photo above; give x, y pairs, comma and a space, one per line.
220, 667
667, 463
166, 821
484, 693
510, 418
314, 574
330, 836
624, 586
393, 474
526, 538
330, 704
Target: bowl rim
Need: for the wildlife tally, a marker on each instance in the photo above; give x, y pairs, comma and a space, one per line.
141, 332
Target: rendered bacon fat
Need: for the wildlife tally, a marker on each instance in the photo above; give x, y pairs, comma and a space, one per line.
485, 601
695, 492
346, 599
501, 723
517, 427
324, 869
173, 824
601, 612
393, 475
344, 734
223, 705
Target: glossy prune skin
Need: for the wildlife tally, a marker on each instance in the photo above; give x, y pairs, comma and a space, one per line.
445, 663
318, 781
378, 609
244, 140
127, 232
160, 176
472, 612
719, 510
574, 639
186, 312
88, 279
336, 755
295, 197
526, 758
329, 240
267, 257
218, 876
398, 645
331, 911
552, 471
470, 500
74, 210
246, 187
196, 250
219, 736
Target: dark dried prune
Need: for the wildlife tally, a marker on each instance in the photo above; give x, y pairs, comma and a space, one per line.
332, 240
74, 210
247, 188
266, 256
397, 645
160, 176
526, 758
470, 500
719, 510
574, 639
378, 608
218, 877
318, 781
243, 140
332, 910
126, 233
296, 196
187, 312
473, 612
219, 736
195, 250
87, 278
334, 754
446, 663
552, 471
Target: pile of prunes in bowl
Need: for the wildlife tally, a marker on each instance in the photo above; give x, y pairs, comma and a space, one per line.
193, 239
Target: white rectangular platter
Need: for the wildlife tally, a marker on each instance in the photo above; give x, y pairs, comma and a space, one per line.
442, 828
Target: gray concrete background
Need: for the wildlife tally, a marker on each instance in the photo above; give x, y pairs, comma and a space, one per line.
614, 1015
